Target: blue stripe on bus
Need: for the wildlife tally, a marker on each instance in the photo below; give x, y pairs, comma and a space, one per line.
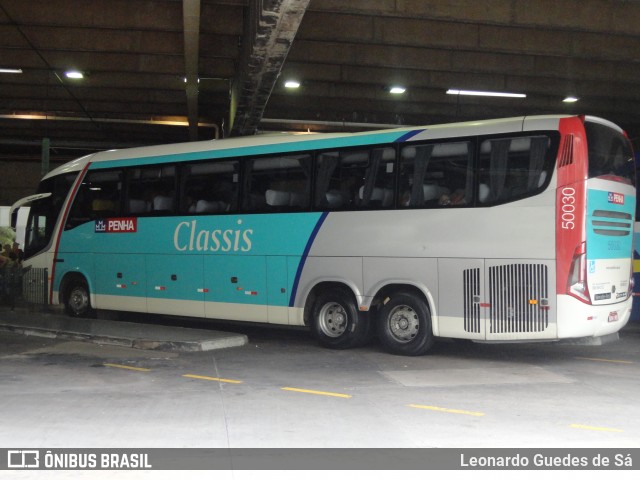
409, 135
312, 237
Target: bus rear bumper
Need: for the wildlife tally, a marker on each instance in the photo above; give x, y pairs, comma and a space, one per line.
576, 319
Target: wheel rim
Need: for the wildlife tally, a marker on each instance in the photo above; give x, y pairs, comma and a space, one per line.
78, 300
332, 319
404, 323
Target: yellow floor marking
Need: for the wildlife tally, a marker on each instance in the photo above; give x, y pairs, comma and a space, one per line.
316, 392
213, 379
626, 362
597, 429
126, 367
447, 410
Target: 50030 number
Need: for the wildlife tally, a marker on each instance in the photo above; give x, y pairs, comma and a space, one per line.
568, 201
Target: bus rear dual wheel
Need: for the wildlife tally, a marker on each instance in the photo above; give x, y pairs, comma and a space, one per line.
403, 322
404, 325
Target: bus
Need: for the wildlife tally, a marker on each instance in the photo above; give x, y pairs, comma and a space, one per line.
504, 230
635, 312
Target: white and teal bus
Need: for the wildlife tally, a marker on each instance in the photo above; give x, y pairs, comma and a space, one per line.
517, 229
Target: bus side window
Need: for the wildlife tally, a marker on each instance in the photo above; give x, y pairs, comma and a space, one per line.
99, 196
355, 179
151, 190
210, 187
512, 168
436, 175
278, 183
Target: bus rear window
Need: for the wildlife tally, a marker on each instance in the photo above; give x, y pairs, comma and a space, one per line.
610, 154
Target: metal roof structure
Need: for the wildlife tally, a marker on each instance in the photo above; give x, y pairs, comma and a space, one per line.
164, 71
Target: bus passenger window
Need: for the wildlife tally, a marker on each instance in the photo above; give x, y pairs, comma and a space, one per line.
355, 179
436, 175
210, 187
512, 168
151, 190
278, 183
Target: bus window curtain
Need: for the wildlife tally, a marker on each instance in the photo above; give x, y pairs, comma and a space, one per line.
305, 165
423, 155
326, 166
371, 175
468, 195
537, 154
498, 167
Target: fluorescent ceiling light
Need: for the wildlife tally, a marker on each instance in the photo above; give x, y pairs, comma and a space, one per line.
292, 84
10, 70
480, 93
74, 74
570, 100
397, 90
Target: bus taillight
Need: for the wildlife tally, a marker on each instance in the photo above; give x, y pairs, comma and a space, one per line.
577, 285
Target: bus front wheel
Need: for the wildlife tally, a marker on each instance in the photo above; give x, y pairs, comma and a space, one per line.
77, 300
404, 325
336, 321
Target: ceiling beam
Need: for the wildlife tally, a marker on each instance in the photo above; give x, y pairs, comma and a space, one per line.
270, 27
191, 20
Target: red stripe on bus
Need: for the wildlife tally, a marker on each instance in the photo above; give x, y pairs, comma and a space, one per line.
61, 228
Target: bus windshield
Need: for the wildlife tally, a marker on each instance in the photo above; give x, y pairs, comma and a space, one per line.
609, 153
44, 213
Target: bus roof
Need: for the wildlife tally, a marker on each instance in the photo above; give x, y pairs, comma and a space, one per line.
282, 143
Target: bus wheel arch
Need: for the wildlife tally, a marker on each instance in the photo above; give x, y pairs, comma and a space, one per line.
76, 295
403, 320
332, 313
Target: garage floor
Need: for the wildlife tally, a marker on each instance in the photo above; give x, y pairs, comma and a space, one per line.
283, 390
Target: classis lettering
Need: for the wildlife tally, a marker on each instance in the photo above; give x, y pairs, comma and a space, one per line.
187, 237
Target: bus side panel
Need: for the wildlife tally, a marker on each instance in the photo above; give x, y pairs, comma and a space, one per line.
279, 270
175, 284
237, 287
121, 275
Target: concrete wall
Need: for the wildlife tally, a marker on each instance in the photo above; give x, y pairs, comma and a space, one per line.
18, 179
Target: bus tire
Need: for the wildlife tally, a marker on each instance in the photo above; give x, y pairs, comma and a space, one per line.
77, 301
336, 322
404, 325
